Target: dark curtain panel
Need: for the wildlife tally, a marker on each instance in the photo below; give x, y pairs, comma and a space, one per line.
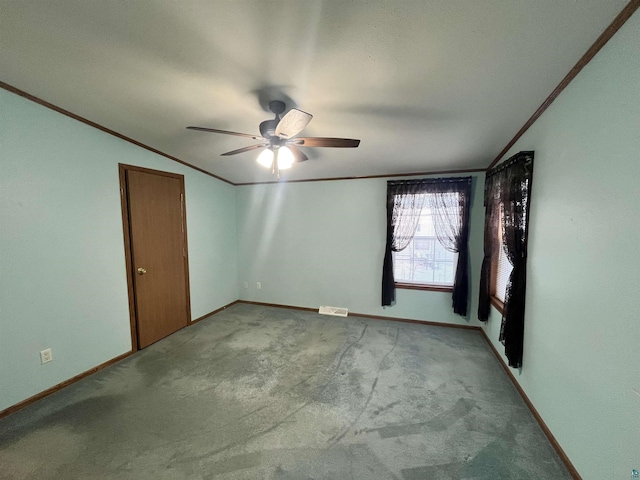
404, 204
450, 204
449, 200
509, 186
492, 212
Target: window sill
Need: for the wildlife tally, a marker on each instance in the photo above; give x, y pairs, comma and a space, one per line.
430, 288
496, 302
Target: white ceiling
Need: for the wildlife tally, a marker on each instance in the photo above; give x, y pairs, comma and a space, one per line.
426, 85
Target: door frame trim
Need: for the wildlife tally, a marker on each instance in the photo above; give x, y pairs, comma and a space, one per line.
124, 202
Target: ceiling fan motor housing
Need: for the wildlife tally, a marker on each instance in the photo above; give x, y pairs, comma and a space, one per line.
268, 128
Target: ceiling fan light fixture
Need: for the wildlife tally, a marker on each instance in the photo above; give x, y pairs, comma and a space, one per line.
265, 158
285, 158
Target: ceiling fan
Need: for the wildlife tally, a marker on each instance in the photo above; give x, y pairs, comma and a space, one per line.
278, 139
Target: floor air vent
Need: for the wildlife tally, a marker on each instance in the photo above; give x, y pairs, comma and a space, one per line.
337, 311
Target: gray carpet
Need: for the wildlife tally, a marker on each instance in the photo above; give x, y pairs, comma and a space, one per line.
268, 393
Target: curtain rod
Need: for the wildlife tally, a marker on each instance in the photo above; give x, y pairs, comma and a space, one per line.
527, 155
430, 180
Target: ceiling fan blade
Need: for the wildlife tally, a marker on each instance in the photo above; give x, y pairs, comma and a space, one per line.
226, 132
293, 123
326, 142
298, 154
245, 149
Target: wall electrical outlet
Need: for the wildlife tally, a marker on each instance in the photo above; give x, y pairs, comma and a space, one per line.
258, 285
46, 356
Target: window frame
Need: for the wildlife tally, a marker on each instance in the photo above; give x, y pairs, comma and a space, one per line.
431, 287
495, 301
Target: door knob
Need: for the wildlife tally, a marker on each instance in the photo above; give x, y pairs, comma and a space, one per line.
141, 271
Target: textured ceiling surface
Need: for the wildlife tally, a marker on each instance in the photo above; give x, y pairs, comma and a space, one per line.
425, 85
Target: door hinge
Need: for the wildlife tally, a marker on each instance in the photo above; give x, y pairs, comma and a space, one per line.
122, 191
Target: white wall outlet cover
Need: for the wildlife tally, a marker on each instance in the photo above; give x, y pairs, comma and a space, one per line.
258, 285
46, 356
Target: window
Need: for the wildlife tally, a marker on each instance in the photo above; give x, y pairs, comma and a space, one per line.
500, 269
424, 262
428, 238
507, 197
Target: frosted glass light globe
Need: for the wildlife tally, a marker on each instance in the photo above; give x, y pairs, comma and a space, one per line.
285, 158
265, 158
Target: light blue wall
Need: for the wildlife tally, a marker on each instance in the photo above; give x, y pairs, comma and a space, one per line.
62, 267
322, 243
581, 365
211, 231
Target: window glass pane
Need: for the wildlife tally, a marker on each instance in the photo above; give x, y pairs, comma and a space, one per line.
425, 260
501, 267
503, 271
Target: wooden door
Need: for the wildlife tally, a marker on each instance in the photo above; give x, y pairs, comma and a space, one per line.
158, 253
